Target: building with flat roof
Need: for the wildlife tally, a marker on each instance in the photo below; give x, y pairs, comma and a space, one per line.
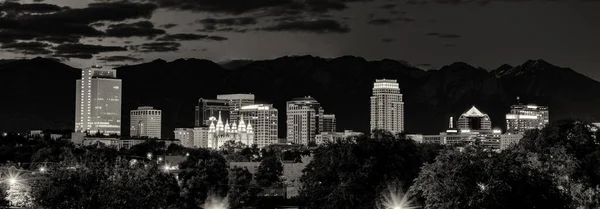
98, 101
210, 108
304, 120
263, 118
145, 122
526, 117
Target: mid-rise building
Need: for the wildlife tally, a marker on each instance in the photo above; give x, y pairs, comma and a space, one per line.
329, 123
473, 119
145, 122
263, 118
526, 117
210, 108
387, 107
98, 101
236, 101
201, 137
185, 136
304, 120
219, 133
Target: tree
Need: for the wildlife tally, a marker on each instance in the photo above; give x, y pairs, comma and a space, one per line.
351, 174
269, 172
122, 185
3, 195
203, 172
475, 178
240, 191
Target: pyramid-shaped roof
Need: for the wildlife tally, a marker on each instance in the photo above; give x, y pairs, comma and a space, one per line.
473, 112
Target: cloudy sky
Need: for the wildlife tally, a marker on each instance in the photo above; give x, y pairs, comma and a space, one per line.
425, 33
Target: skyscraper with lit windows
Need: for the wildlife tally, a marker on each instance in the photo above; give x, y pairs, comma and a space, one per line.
526, 117
145, 122
263, 118
387, 107
98, 101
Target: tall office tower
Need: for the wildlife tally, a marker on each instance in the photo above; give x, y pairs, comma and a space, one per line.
263, 118
304, 120
98, 101
387, 107
329, 124
201, 137
210, 108
186, 136
145, 121
526, 117
236, 101
473, 119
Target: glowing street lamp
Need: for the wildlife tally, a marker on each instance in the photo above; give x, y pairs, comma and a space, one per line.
42, 169
12, 181
149, 155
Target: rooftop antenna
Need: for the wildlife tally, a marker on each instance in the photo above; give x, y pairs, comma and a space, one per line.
451, 126
518, 100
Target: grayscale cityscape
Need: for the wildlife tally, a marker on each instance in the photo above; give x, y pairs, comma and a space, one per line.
299, 104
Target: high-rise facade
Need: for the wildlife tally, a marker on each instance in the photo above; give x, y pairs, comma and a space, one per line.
145, 122
98, 101
208, 108
304, 120
236, 101
329, 124
263, 118
473, 119
387, 107
526, 117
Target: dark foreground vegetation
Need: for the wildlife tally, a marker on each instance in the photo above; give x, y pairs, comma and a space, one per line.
557, 167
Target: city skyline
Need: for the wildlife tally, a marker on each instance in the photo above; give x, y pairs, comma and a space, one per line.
427, 34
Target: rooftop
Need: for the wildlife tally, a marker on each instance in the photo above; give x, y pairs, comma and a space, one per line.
474, 112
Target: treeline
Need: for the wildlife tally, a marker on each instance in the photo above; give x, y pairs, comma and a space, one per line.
556, 167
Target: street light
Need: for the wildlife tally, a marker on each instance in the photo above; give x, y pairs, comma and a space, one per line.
42, 169
149, 155
12, 181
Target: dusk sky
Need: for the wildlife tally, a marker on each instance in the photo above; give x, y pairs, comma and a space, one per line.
425, 33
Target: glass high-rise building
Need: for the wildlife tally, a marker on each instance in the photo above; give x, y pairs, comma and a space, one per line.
263, 118
304, 120
387, 107
145, 121
526, 117
98, 101
208, 108
236, 101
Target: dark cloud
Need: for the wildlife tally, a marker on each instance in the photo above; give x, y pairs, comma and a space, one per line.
167, 26
443, 35
19, 8
86, 49
189, 37
388, 6
449, 45
8, 36
74, 22
77, 55
27, 47
59, 39
157, 47
98, 24
380, 21
212, 24
387, 40
121, 59
312, 26
141, 29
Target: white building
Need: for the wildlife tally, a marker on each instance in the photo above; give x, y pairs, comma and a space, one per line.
304, 120
324, 137
98, 101
526, 117
200, 137
186, 136
492, 139
145, 121
387, 107
219, 133
263, 118
329, 123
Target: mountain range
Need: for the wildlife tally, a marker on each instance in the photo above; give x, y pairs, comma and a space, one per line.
40, 93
